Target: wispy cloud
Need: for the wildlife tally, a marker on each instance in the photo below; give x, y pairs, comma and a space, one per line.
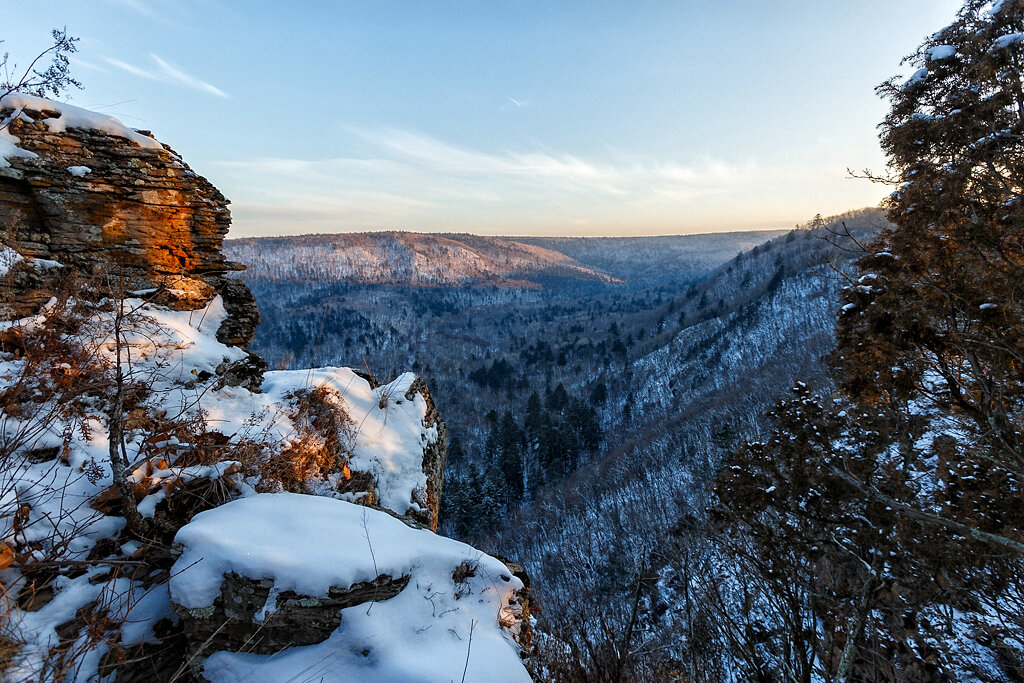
435, 156
165, 72
185, 79
165, 12
80, 63
146, 9
408, 180
555, 171
132, 69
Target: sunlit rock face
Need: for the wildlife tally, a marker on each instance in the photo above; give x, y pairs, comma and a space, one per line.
126, 210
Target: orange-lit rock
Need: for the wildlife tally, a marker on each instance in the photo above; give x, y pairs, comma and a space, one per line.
139, 218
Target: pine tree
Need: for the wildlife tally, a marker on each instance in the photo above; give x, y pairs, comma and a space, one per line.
902, 497
511, 444
552, 452
534, 414
558, 399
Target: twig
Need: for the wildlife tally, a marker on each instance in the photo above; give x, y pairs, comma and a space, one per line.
376, 573
469, 648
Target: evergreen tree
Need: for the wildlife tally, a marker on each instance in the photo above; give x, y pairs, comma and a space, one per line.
551, 452
936, 322
479, 509
903, 497
454, 504
581, 421
492, 498
511, 443
534, 417
558, 399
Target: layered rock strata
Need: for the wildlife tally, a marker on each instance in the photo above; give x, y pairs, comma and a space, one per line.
125, 211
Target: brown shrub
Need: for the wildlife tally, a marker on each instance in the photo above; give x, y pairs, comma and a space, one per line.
326, 435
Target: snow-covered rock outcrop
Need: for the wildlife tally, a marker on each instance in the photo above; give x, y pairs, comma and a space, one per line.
378, 600
81, 189
151, 377
85, 187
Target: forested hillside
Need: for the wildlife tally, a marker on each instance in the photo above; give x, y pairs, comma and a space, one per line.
587, 418
404, 258
650, 261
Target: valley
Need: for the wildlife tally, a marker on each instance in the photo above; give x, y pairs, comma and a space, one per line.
498, 361
587, 418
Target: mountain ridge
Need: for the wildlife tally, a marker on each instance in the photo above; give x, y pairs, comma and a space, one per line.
409, 258
462, 259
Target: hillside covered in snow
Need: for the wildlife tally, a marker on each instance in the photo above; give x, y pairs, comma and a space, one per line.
169, 509
459, 260
405, 258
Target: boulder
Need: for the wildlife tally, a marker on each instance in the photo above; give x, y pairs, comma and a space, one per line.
85, 191
378, 600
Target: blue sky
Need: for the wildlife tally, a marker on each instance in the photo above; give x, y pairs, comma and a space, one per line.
501, 117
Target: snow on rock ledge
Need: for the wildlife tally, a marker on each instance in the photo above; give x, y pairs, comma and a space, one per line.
398, 442
431, 594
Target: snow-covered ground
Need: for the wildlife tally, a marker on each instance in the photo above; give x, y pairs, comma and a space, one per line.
437, 628
47, 511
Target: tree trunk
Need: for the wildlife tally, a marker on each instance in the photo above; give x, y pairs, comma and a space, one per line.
844, 673
118, 459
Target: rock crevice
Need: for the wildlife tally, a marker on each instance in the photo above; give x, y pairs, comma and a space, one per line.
249, 617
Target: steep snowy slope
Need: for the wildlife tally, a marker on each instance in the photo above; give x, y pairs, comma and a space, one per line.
686, 397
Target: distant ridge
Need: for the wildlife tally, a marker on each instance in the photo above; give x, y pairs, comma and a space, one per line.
643, 261
407, 258
460, 260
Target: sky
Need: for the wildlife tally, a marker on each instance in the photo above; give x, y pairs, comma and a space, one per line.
511, 117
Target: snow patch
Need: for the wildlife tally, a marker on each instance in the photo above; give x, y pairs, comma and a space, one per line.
9, 149
939, 52
8, 258
918, 76
420, 635
1006, 41
70, 116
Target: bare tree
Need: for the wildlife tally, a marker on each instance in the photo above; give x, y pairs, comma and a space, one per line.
36, 80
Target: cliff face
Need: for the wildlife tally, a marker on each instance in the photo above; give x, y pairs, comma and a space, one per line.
97, 219
117, 205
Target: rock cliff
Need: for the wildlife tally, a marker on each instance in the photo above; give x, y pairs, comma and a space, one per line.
111, 267
117, 205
